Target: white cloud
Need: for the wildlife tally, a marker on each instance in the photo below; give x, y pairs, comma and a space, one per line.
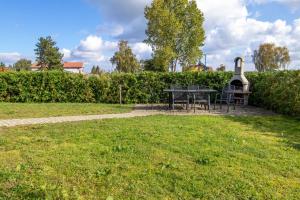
94, 50
10, 58
126, 17
142, 50
230, 28
66, 52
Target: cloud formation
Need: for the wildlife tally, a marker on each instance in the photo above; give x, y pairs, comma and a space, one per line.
10, 58
124, 16
231, 32
94, 50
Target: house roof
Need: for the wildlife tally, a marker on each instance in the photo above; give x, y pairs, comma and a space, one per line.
4, 69
67, 65
73, 65
35, 66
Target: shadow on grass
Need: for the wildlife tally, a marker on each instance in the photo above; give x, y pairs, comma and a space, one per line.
284, 127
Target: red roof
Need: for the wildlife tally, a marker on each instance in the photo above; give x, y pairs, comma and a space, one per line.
35, 66
67, 65
73, 65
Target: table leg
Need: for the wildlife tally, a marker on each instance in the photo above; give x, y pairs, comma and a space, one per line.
208, 102
170, 100
188, 102
173, 104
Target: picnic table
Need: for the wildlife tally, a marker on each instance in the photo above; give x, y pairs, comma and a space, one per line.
188, 92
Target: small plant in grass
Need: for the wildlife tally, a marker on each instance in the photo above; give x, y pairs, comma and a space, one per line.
119, 148
103, 172
203, 161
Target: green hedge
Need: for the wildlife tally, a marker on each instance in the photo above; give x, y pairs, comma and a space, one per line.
278, 91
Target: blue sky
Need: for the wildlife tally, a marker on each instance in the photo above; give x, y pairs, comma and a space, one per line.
88, 30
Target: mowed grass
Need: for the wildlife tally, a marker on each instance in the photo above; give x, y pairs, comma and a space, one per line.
28, 110
157, 157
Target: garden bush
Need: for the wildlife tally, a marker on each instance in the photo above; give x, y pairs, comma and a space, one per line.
278, 91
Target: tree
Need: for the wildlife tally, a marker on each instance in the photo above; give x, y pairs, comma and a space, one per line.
48, 55
194, 68
152, 65
22, 64
124, 59
93, 71
97, 70
175, 32
2, 64
222, 68
270, 57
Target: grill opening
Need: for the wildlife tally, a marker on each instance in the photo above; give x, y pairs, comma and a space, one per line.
238, 84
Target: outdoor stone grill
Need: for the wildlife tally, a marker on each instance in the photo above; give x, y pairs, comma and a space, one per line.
240, 82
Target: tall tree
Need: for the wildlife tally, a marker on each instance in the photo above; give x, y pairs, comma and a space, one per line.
124, 59
22, 64
93, 71
97, 71
175, 32
271, 57
2, 64
48, 55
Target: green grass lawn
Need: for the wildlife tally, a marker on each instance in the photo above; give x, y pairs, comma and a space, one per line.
27, 110
157, 157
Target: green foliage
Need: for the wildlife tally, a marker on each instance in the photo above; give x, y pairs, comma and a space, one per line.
124, 59
22, 64
278, 91
2, 64
96, 70
54, 86
175, 32
47, 54
151, 65
269, 57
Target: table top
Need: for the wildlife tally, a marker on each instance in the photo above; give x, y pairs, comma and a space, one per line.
238, 92
191, 91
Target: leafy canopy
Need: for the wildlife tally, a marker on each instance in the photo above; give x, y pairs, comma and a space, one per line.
270, 57
22, 64
152, 65
48, 55
175, 32
124, 59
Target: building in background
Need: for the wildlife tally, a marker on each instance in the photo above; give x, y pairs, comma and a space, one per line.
73, 67
4, 69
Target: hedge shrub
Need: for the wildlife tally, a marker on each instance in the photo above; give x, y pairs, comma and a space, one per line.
278, 91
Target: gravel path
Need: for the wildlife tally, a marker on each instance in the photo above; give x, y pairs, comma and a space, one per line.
140, 111
53, 120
